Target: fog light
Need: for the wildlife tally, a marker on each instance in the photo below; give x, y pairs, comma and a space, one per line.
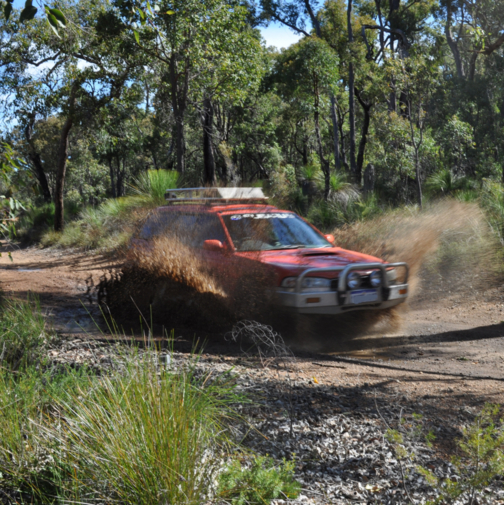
353, 280
375, 279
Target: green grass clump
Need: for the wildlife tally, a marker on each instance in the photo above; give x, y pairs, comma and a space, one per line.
23, 334
259, 483
154, 183
481, 461
30, 456
148, 435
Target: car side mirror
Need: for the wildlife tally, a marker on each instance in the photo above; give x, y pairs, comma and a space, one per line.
330, 238
213, 245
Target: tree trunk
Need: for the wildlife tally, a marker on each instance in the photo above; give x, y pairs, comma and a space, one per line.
59, 209
452, 44
351, 100
417, 179
472, 65
179, 92
334, 118
363, 141
323, 162
366, 107
59, 219
208, 153
37, 162
112, 183
369, 179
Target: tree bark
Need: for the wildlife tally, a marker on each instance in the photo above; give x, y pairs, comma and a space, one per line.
179, 92
37, 162
472, 65
351, 100
59, 220
112, 183
323, 162
59, 209
366, 107
334, 118
208, 153
452, 44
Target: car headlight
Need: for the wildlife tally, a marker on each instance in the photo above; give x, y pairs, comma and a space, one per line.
309, 283
316, 283
353, 280
375, 279
289, 282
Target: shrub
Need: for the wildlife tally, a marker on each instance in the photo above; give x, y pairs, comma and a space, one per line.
148, 435
23, 334
154, 183
482, 445
259, 482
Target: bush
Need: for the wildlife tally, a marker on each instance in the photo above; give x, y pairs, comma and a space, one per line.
259, 482
154, 183
28, 456
482, 445
108, 226
23, 334
148, 435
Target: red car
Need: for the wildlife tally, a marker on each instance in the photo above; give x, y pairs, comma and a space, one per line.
234, 231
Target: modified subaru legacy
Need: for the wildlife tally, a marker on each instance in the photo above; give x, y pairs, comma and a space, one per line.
235, 230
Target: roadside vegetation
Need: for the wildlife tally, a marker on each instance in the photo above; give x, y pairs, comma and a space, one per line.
142, 430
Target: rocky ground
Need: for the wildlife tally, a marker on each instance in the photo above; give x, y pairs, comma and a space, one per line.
335, 427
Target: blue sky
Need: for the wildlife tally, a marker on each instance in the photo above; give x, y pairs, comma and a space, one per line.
279, 36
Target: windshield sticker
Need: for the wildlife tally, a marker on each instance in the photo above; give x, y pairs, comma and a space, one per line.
269, 215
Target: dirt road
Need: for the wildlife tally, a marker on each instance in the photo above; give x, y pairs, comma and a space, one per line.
448, 353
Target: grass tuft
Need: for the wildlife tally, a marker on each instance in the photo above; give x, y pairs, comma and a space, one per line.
23, 334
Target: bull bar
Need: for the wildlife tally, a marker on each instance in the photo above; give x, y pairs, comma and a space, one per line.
336, 302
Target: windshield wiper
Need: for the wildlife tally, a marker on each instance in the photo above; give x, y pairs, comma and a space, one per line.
293, 246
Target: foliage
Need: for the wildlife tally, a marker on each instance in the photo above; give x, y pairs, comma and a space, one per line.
144, 431
150, 434
482, 446
259, 482
154, 183
23, 334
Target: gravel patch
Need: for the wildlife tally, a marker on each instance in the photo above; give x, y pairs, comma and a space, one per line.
336, 433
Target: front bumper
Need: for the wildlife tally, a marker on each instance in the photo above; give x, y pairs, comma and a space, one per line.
340, 301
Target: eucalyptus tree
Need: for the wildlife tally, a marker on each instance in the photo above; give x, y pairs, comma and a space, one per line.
307, 72
474, 29
296, 15
75, 74
204, 46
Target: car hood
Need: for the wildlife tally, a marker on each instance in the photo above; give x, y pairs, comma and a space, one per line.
295, 260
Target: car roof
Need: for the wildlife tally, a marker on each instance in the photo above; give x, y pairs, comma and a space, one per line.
219, 209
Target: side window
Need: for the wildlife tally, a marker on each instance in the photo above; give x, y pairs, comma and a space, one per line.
153, 226
190, 229
206, 227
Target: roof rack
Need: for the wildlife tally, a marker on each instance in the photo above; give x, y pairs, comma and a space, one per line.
215, 195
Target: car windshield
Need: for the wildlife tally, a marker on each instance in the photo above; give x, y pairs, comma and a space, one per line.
268, 231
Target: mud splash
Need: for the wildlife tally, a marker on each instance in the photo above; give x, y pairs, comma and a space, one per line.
447, 236
167, 283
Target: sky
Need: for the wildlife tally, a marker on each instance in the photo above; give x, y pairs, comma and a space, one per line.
279, 36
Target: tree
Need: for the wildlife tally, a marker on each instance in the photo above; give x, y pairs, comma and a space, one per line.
307, 72
73, 91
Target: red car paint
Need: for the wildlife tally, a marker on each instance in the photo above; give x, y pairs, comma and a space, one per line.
230, 263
